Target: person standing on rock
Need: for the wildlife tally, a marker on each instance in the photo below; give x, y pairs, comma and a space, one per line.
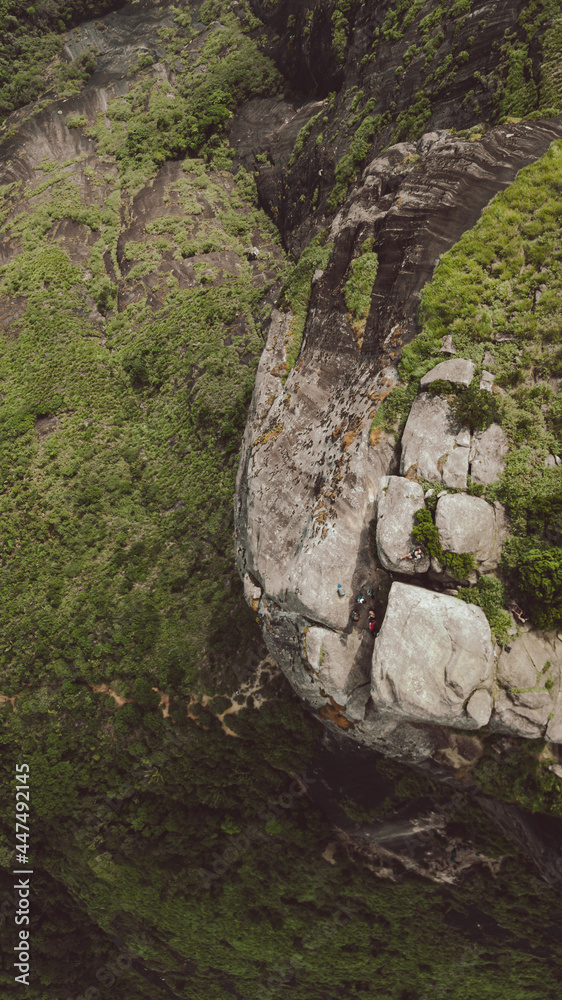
372, 621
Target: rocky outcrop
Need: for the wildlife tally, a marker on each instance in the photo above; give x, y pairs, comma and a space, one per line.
341, 665
487, 453
432, 656
528, 699
252, 592
310, 509
390, 68
308, 481
434, 445
457, 370
470, 524
399, 500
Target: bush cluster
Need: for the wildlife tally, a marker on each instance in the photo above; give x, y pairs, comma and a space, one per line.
359, 286
489, 594
534, 569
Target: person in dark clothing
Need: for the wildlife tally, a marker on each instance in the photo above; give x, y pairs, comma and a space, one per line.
415, 554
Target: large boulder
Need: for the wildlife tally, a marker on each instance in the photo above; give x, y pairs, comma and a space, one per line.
432, 654
455, 370
434, 446
470, 524
522, 713
528, 699
341, 663
487, 454
398, 502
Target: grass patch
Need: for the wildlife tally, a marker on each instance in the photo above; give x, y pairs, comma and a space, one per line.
297, 290
359, 286
489, 594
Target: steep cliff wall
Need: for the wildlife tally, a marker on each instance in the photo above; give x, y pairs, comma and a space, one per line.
315, 467
388, 72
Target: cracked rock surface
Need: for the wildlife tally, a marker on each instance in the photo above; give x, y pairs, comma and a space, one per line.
399, 501
470, 524
432, 654
323, 500
434, 445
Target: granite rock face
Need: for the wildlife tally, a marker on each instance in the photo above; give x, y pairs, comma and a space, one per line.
457, 370
434, 445
433, 653
399, 500
252, 592
303, 525
528, 677
487, 454
341, 665
325, 499
470, 524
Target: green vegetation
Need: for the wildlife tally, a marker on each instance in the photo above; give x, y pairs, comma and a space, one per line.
517, 93
489, 594
348, 166
119, 434
340, 30
297, 289
526, 80
76, 121
474, 407
535, 569
31, 37
154, 122
425, 532
125, 376
359, 286
399, 17
520, 773
410, 124
118, 454
470, 406
238, 895
302, 137
495, 291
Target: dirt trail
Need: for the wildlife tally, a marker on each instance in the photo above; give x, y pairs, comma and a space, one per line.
250, 689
